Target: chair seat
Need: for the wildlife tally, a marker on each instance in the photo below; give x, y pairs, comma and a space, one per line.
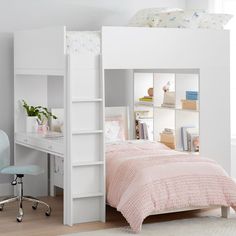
23, 170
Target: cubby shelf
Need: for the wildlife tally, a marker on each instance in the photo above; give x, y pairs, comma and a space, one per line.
175, 117
176, 109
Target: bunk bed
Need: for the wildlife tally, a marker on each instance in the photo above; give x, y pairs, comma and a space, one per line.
43, 55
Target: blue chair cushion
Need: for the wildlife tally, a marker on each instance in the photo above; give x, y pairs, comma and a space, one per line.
23, 170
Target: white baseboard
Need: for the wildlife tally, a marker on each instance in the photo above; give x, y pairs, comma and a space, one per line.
6, 189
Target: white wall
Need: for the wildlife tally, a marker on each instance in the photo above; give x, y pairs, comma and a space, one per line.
76, 14
214, 6
6, 88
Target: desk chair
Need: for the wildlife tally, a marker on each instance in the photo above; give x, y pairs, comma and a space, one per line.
19, 172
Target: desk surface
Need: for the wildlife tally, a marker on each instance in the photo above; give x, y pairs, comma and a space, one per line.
54, 146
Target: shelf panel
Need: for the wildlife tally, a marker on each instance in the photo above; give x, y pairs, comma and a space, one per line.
176, 109
87, 132
146, 104
92, 163
87, 195
77, 100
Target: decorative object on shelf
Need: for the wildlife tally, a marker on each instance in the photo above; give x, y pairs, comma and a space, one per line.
147, 100
169, 100
150, 92
190, 104
36, 116
167, 137
192, 95
42, 128
166, 87
196, 144
190, 138
57, 125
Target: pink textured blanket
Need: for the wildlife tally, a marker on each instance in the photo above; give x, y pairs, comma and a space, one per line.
146, 177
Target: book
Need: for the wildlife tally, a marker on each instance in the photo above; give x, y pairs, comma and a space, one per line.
191, 134
184, 137
144, 128
144, 103
168, 105
145, 99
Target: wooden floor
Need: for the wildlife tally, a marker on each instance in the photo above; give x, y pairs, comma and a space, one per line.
36, 223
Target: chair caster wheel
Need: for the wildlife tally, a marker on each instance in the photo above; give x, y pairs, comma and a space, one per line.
35, 206
48, 212
19, 219
1, 207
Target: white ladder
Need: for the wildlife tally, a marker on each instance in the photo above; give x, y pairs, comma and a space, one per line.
85, 141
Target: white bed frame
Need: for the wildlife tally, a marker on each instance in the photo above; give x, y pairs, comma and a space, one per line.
40, 54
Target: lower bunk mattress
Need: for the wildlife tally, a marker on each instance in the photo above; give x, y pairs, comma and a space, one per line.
144, 177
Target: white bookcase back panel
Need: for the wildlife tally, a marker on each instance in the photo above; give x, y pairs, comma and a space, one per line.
142, 82
86, 116
33, 89
86, 148
164, 118
185, 82
87, 209
86, 180
184, 119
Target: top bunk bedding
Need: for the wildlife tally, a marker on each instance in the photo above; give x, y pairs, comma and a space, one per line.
83, 42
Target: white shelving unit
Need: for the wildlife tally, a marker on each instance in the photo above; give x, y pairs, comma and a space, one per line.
167, 117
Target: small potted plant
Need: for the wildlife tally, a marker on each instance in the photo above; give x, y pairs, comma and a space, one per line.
37, 117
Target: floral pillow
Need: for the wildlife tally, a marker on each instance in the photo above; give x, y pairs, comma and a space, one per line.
214, 21
177, 19
114, 129
143, 17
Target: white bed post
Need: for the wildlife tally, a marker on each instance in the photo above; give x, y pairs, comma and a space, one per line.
225, 212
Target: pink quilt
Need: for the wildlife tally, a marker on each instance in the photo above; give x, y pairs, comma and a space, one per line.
147, 177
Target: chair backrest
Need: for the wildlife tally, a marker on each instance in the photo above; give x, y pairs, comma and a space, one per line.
4, 150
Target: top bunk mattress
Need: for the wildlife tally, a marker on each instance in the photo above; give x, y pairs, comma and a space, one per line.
80, 42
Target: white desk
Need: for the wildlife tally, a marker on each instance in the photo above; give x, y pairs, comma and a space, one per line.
52, 146
40, 143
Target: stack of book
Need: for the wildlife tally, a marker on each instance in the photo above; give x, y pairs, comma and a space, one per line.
144, 128
167, 137
146, 100
191, 101
190, 138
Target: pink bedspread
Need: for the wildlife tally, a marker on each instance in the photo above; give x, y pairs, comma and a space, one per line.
146, 177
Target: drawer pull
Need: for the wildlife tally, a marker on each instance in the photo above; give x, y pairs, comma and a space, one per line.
25, 140
50, 147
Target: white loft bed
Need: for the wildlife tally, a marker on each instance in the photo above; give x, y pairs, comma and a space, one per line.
42, 55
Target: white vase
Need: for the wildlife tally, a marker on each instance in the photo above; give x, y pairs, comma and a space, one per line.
31, 124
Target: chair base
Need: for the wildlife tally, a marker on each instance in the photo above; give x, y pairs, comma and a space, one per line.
22, 198
35, 202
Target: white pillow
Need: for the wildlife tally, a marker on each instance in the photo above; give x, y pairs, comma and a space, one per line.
114, 129
177, 19
214, 21
143, 17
